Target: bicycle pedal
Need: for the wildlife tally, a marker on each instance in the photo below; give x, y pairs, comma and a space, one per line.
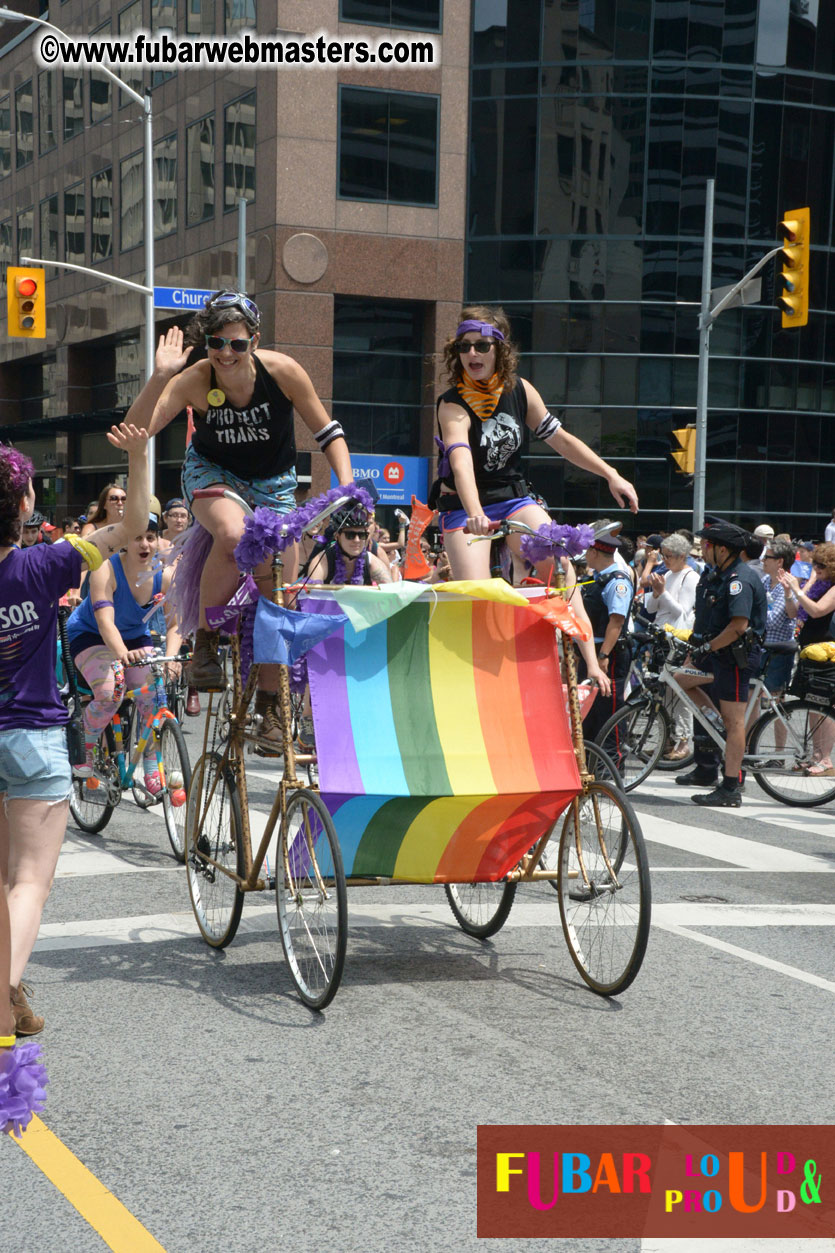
260, 751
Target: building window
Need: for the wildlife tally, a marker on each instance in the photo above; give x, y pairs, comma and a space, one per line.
73, 105
6, 253
131, 186
74, 224
388, 146
377, 373
128, 372
26, 233
49, 228
239, 151
239, 15
5, 137
200, 17
24, 130
101, 215
165, 186
200, 170
163, 17
414, 14
100, 105
46, 111
130, 20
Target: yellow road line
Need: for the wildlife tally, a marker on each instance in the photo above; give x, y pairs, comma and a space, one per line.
116, 1225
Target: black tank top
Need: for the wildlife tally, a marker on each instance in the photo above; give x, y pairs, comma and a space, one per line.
257, 442
817, 630
495, 442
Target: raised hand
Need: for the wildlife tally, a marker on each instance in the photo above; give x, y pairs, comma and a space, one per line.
170, 355
129, 438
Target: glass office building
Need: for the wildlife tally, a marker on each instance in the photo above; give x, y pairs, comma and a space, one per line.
595, 125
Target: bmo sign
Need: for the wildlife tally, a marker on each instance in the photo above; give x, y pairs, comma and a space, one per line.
396, 479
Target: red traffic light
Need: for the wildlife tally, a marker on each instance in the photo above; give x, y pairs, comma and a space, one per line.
26, 286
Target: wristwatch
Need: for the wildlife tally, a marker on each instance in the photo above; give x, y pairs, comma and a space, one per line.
603, 656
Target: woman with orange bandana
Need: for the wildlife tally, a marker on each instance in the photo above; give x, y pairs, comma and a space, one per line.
482, 418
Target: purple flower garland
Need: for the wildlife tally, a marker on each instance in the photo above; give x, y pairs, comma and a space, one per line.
551, 536
339, 567
23, 1083
267, 532
815, 593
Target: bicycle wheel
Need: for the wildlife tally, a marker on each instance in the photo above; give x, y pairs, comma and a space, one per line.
311, 898
480, 909
177, 770
215, 850
786, 747
634, 739
93, 800
604, 770
606, 924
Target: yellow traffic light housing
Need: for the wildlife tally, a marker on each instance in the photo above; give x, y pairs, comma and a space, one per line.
685, 455
794, 277
26, 302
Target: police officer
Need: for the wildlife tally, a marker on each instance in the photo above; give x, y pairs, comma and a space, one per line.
607, 600
731, 610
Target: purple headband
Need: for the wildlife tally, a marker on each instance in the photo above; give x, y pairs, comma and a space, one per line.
483, 328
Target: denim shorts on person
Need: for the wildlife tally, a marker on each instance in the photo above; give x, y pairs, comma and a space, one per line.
456, 519
34, 764
778, 672
277, 493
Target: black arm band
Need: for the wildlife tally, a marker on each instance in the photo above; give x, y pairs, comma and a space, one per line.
328, 434
547, 427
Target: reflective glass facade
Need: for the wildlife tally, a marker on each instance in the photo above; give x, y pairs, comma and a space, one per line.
594, 127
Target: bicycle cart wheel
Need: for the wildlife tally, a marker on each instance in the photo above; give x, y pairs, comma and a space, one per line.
606, 923
93, 800
786, 746
214, 834
311, 898
604, 770
480, 909
634, 739
177, 770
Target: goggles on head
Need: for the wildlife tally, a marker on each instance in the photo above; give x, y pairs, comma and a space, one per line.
235, 300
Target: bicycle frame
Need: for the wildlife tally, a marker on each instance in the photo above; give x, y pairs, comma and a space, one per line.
153, 722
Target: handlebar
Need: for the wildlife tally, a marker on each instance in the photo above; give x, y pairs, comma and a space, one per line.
216, 493
498, 530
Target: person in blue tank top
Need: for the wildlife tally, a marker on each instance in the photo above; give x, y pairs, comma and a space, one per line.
242, 403
114, 624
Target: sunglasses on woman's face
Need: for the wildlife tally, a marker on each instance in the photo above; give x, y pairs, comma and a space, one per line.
355, 534
116, 500
217, 342
482, 346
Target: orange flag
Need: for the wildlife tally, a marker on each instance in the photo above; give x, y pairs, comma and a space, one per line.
556, 611
416, 566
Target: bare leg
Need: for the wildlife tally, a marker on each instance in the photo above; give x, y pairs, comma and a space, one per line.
733, 716
7, 1026
31, 835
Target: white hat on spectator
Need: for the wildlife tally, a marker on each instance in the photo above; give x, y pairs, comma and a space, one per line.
764, 531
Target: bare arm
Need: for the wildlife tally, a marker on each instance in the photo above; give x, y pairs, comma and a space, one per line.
455, 429
165, 394
578, 453
380, 573
109, 539
296, 384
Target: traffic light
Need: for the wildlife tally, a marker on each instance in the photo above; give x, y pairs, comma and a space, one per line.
685, 455
26, 302
794, 276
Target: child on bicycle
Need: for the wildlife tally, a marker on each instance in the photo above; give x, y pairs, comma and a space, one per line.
113, 624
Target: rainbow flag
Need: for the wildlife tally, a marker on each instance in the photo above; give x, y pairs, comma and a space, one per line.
443, 742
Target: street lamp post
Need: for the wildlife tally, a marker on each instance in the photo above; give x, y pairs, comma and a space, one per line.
145, 102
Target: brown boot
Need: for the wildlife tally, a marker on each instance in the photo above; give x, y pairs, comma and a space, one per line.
26, 1023
270, 735
205, 672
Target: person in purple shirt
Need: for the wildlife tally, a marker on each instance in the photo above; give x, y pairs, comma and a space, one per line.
35, 774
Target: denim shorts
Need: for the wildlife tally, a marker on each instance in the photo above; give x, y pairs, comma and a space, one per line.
277, 493
456, 519
34, 764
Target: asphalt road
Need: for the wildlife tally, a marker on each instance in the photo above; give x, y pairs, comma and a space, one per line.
225, 1116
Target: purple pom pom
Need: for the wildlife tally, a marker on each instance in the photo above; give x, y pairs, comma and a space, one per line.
267, 532
22, 1086
553, 539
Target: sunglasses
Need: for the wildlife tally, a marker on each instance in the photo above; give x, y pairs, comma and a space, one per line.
463, 346
116, 500
354, 534
217, 342
235, 300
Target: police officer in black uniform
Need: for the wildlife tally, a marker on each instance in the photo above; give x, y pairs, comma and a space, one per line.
731, 609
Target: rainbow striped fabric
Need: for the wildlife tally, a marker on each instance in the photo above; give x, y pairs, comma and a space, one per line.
443, 742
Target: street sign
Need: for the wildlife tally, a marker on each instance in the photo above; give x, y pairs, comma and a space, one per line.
397, 479
190, 299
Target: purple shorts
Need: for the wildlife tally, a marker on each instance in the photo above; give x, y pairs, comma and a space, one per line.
456, 519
